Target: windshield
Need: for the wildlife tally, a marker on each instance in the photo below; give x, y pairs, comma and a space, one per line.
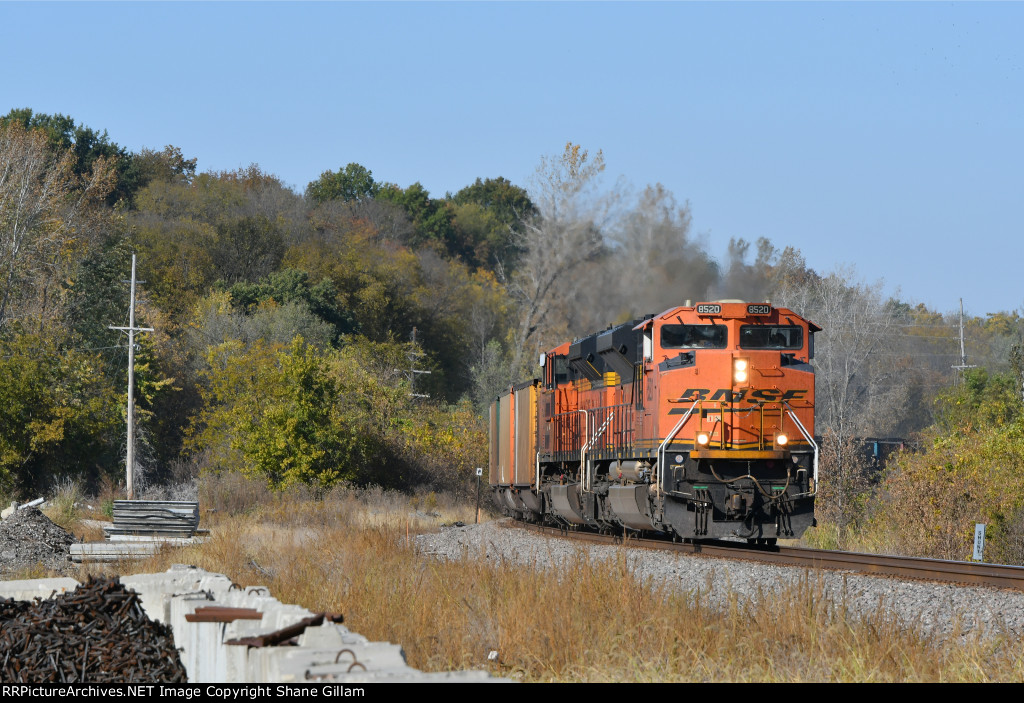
771, 337
693, 336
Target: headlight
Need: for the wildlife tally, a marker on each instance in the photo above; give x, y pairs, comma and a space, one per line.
703, 438
780, 442
739, 370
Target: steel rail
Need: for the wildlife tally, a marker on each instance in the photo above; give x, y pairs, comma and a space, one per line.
961, 572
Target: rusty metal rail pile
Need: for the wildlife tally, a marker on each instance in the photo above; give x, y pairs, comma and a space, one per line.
97, 633
978, 574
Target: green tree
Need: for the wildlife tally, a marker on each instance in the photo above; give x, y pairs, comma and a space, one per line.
481, 240
289, 416
352, 183
291, 286
509, 203
247, 249
175, 259
1017, 367
232, 226
215, 319
488, 216
87, 147
967, 467
59, 416
304, 435
980, 400
374, 284
442, 444
168, 165
431, 219
933, 498
95, 295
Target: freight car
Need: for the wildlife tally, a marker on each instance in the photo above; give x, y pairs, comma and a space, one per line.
696, 423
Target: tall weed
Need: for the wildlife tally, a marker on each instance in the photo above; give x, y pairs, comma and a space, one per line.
588, 620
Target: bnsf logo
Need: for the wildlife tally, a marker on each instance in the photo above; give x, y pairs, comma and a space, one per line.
766, 395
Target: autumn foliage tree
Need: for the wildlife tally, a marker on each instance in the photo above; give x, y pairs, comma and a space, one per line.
970, 469
42, 208
87, 148
285, 322
279, 415
298, 415
59, 417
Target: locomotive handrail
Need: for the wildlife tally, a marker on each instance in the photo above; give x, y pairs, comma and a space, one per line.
585, 478
809, 438
586, 440
661, 449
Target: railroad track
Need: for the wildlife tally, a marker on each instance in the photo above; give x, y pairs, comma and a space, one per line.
963, 572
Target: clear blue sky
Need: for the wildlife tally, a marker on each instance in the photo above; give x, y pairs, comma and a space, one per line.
887, 136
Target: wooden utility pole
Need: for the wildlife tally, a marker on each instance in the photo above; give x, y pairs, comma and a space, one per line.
131, 329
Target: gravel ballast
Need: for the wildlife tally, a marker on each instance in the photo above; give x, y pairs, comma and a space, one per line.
28, 538
939, 609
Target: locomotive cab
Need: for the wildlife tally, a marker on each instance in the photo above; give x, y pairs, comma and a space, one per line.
734, 390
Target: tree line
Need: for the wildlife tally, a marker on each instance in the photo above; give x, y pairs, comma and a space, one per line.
294, 330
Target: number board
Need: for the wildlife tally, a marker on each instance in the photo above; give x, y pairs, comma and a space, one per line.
759, 309
709, 309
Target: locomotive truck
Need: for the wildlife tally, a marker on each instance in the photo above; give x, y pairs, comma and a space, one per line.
697, 423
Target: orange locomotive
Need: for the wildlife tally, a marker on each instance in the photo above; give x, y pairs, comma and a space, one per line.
698, 422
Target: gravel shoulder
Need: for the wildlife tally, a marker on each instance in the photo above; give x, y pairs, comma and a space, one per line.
941, 609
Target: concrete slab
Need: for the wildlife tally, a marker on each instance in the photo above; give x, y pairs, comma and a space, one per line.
30, 589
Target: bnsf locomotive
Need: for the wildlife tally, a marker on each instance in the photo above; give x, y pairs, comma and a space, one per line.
698, 423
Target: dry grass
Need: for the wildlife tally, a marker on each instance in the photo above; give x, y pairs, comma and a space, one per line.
592, 621
74, 512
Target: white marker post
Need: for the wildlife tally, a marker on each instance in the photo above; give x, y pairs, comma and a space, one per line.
479, 473
979, 541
